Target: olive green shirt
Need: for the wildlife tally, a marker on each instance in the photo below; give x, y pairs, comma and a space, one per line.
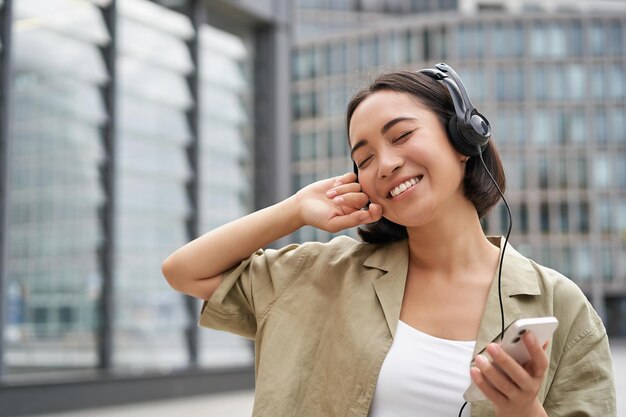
323, 317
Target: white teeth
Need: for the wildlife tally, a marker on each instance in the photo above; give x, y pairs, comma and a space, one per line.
404, 186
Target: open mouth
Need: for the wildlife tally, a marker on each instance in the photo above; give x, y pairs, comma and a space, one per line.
404, 186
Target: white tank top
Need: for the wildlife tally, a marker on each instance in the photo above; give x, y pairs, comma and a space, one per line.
422, 376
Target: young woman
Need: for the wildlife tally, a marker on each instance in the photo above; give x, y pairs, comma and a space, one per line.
399, 324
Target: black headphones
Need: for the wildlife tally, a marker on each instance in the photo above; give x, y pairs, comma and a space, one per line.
469, 131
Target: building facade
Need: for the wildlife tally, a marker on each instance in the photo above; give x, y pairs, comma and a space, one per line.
553, 87
129, 127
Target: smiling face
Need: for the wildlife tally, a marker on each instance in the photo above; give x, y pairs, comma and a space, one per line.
405, 160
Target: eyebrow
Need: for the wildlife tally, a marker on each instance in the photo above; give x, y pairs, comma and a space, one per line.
386, 127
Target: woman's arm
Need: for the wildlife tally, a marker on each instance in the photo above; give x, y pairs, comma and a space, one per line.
332, 205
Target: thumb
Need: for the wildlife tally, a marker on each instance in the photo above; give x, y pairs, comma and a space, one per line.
347, 221
374, 213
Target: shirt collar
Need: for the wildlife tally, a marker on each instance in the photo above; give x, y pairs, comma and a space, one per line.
519, 277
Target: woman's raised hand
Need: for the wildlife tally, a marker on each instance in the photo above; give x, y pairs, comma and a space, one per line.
336, 204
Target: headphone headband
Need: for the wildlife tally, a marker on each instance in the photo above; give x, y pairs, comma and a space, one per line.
469, 130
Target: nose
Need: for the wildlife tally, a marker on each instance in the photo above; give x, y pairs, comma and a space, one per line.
388, 164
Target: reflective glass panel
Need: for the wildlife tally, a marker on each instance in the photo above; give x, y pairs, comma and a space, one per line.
226, 190
152, 135
53, 277
602, 170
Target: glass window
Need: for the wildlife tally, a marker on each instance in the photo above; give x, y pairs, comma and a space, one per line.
603, 213
538, 40
597, 39
557, 83
415, 46
518, 123
542, 131
306, 147
561, 166
368, 53
620, 165
339, 145
602, 171
540, 83
615, 80
153, 98
577, 129
336, 59
471, 41
563, 217
598, 82
560, 123
397, 49
576, 80
621, 217
440, 44
617, 124
335, 99
578, 171
566, 261
499, 123
606, 260
304, 105
508, 40
304, 63
600, 125
523, 218
557, 40
474, 81
615, 39
576, 39
544, 217
515, 168
583, 217
583, 264
56, 196
542, 165
509, 84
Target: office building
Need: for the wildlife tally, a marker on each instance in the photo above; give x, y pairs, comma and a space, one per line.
551, 81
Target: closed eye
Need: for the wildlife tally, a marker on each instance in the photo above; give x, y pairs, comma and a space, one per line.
363, 162
403, 136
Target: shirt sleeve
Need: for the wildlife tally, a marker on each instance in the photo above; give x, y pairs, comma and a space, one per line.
248, 290
583, 384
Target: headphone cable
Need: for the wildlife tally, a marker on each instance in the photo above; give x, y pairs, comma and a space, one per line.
506, 241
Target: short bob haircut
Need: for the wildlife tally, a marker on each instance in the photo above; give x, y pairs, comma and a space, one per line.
477, 185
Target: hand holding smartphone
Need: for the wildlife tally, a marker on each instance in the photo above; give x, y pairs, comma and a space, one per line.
541, 327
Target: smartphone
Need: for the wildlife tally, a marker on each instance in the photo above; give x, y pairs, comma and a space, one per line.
512, 343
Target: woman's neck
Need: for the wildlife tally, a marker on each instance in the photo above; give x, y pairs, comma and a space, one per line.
450, 246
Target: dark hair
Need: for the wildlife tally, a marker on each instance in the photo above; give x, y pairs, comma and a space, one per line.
477, 185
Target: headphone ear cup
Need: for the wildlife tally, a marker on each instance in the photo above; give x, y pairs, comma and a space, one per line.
459, 142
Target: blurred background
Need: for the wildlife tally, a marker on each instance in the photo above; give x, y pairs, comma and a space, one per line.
129, 127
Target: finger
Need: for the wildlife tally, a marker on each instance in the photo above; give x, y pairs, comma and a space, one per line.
497, 379
509, 366
490, 392
347, 221
374, 214
346, 178
538, 359
353, 200
352, 187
